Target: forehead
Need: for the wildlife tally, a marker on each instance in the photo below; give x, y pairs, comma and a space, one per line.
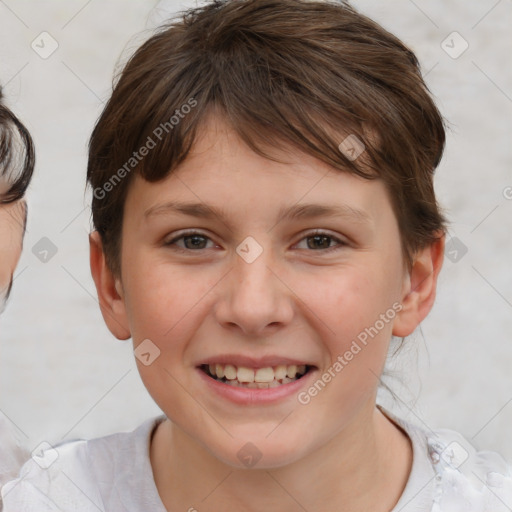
222, 171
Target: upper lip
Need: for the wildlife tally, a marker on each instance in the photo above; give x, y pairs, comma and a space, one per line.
253, 362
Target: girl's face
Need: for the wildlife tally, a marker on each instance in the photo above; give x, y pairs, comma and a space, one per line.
238, 265
12, 219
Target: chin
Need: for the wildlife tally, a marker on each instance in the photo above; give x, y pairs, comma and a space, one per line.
259, 452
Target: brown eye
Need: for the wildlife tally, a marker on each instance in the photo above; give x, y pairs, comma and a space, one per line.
321, 241
194, 241
191, 241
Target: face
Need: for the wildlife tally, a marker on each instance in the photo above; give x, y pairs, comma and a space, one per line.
12, 220
235, 269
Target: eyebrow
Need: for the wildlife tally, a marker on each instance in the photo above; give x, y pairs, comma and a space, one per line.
294, 212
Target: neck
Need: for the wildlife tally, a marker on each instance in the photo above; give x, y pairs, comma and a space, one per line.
364, 467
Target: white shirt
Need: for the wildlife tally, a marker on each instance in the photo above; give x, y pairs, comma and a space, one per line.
114, 474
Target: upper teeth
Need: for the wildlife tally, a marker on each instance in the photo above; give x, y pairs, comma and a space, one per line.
267, 374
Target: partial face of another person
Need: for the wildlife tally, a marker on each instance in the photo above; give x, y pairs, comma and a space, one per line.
17, 161
12, 227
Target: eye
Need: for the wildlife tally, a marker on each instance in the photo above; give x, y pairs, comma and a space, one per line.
192, 240
321, 241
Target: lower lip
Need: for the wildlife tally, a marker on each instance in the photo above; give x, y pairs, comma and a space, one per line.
256, 396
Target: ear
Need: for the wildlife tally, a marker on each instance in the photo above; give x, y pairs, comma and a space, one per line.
419, 289
109, 289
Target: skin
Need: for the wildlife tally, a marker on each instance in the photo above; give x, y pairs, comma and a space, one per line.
11, 241
295, 300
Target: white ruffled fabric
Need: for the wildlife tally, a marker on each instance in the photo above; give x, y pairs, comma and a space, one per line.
467, 480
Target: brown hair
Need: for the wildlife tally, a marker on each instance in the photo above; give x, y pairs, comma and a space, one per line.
17, 157
282, 72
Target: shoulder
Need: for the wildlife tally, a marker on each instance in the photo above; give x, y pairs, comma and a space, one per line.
82, 475
457, 475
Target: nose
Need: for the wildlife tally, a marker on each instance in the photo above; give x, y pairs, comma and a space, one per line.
254, 298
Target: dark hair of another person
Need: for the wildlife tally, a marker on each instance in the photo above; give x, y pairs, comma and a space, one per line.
17, 156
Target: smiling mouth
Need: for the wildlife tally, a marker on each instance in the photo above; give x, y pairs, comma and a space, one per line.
255, 378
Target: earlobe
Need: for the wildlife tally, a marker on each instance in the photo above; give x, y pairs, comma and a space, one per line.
109, 289
419, 289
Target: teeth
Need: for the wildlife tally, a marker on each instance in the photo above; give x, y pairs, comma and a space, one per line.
280, 372
264, 374
291, 371
230, 372
219, 371
261, 378
245, 374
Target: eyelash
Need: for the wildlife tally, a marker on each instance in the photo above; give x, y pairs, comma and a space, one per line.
186, 234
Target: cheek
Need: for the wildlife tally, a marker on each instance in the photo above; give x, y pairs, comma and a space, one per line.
162, 300
10, 251
355, 306
348, 300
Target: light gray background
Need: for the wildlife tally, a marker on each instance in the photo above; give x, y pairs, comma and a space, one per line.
62, 375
